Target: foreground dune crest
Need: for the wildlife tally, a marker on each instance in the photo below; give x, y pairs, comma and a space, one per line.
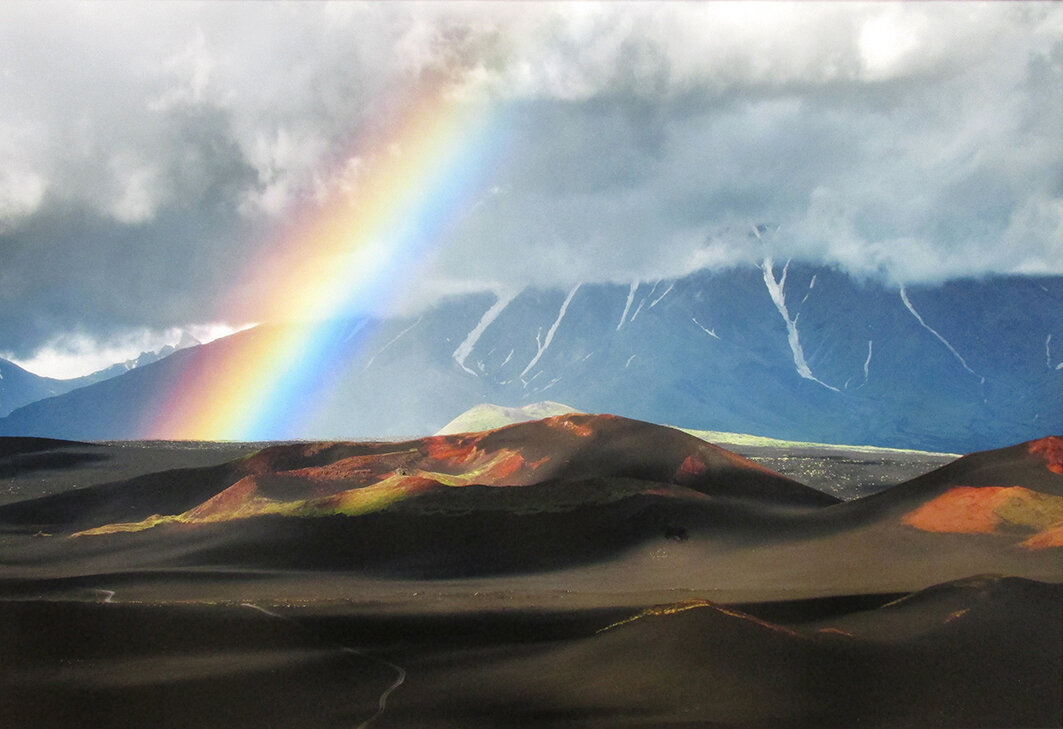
660, 611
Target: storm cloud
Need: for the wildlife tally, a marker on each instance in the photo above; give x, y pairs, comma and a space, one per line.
147, 151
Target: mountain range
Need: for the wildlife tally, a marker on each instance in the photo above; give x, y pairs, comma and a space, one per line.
786, 350
20, 387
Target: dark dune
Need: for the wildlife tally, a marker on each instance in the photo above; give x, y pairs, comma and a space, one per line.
701, 664
35, 467
131, 499
77, 665
482, 531
977, 654
31, 462
13, 445
606, 445
572, 447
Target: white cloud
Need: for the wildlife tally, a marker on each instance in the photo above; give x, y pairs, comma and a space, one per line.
22, 183
136, 200
888, 41
1033, 240
21, 192
190, 68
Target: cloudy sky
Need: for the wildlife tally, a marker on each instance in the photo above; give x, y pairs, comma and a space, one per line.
149, 151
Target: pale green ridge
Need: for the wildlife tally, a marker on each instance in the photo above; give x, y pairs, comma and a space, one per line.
488, 417
742, 439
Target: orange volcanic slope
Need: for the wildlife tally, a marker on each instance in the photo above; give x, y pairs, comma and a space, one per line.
987, 510
1051, 449
354, 478
1033, 510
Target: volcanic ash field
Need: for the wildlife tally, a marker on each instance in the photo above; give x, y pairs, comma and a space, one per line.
580, 570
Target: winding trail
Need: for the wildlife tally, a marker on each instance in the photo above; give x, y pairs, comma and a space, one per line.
108, 594
400, 672
400, 678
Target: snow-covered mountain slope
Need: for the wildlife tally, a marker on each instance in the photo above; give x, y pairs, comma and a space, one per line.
782, 349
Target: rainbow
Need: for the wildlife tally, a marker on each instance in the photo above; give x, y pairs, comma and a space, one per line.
418, 173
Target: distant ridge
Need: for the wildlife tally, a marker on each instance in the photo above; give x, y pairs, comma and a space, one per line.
488, 416
20, 387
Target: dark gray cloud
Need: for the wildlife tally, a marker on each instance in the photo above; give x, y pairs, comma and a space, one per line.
148, 150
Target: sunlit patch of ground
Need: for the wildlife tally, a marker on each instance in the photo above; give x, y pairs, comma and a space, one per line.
989, 510
1051, 449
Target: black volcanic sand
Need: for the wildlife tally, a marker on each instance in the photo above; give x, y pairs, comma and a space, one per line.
980, 653
444, 613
